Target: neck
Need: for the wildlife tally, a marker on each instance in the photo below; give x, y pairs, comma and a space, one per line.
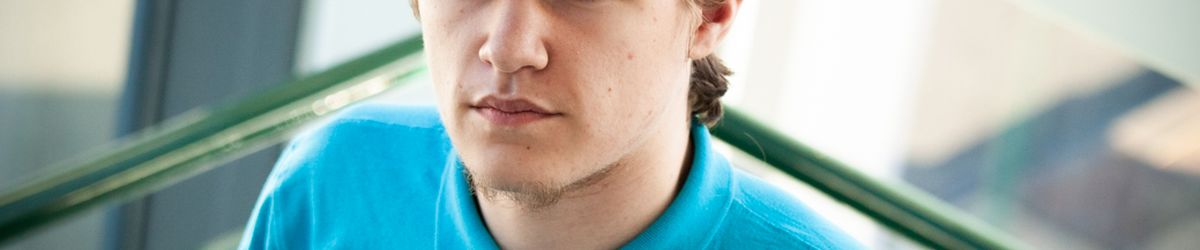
603, 215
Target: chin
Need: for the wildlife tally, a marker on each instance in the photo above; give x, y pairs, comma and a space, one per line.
503, 168
511, 158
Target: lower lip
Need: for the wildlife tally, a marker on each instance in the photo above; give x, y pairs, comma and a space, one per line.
510, 119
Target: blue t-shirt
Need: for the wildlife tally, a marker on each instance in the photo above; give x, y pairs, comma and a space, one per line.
386, 177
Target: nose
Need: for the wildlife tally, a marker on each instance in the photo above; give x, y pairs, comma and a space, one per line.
516, 41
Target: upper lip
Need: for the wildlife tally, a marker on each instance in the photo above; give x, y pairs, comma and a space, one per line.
511, 105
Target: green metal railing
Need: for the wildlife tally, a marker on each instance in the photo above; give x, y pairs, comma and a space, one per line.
899, 207
200, 140
188, 146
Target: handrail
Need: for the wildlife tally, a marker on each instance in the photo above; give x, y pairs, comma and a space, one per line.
199, 140
196, 143
900, 207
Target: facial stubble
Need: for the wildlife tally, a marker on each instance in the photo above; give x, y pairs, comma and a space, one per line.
533, 195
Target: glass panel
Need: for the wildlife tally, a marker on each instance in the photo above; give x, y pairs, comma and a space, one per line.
1028, 120
101, 117
61, 74
857, 225
337, 31
60, 80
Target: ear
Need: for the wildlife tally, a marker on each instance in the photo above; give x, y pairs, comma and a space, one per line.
717, 21
416, 9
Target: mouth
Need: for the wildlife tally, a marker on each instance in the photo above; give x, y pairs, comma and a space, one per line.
511, 112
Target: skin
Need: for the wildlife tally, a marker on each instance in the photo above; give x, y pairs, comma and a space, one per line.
614, 75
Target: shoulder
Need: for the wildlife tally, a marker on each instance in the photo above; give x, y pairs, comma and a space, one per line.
350, 171
368, 137
374, 124
764, 214
368, 141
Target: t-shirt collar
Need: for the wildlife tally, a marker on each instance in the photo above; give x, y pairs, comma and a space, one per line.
693, 217
700, 205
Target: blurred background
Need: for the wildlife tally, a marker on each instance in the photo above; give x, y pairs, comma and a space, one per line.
1068, 124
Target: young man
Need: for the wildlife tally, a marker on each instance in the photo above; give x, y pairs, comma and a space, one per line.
561, 124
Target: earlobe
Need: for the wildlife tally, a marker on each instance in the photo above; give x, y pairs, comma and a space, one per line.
702, 43
717, 19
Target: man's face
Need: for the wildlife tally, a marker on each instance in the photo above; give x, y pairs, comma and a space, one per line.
537, 95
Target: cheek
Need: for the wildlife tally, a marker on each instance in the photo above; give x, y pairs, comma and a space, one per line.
634, 94
441, 72
445, 50
635, 78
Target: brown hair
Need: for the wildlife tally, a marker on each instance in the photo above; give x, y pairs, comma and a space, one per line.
708, 82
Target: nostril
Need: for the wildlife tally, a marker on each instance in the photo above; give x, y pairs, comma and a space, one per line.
484, 56
485, 61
